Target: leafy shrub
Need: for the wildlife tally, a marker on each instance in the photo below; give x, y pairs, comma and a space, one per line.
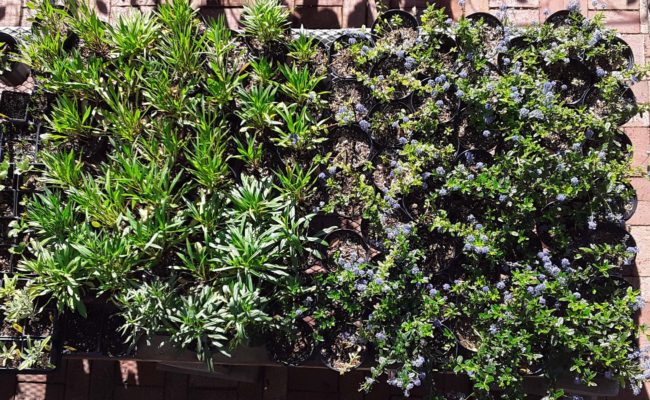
193, 176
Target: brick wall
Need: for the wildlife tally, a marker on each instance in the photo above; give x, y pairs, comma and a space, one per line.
630, 17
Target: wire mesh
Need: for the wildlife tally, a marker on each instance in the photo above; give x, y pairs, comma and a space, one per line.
18, 32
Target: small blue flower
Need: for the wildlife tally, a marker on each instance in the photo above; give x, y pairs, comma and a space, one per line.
418, 361
364, 125
352, 40
460, 93
322, 175
523, 113
380, 336
463, 74
440, 103
503, 198
575, 181
542, 301
486, 133
485, 289
560, 197
501, 285
442, 192
446, 286
298, 312
470, 177
402, 140
446, 86
361, 109
600, 72
400, 54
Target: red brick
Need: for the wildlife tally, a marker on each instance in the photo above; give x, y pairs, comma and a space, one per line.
318, 3
623, 21
232, 15
38, 391
637, 43
77, 379
138, 373
515, 3
472, 6
640, 138
12, 13
318, 17
642, 186
639, 120
617, 5
211, 394
132, 3
642, 214
640, 90
137, 393
523, 17
641, 235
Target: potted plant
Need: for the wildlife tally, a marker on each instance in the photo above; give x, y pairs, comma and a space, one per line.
13, 73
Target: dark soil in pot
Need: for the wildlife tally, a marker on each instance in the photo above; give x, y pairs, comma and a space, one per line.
318, 63
7, 203
275, 50
344, 352
573, 80
341, 57
443, 105
563, 224
112, 340
622, 109
382, 174
385, 121
393, 20
613, 235
350, 146
441, 251
82, 334
350, 94
399, 39
42, 324
345, 246
389, 224
392, 65
343, 193
620, 57
445, 52
485, 140
292, 348
564, 18
14, 105
468, 338
491, 31
475, 160
6, 258
604, 289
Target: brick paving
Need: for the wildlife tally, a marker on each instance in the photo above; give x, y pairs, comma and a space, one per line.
83, 379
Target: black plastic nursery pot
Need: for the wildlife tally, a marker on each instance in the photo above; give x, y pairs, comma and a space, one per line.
610, 65
14, 106
563, 18
71, 40
625, 108
557, 225
348, 93
345, 246
339, 60
574, 80
18, 72
384, 66
292, 349
505, 60
451, 104
492, 30
345, 351
391, 114
385, 22
613, 234
351, 146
